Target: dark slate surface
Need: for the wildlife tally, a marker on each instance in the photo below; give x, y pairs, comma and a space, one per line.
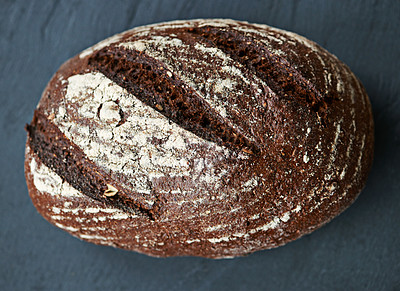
359, 250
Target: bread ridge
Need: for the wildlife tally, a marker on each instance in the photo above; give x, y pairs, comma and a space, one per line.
248, 195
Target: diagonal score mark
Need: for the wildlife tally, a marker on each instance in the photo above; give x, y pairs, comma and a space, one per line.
68, 161
151, 82
275, 70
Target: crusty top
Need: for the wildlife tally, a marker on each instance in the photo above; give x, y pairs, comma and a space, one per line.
209, 119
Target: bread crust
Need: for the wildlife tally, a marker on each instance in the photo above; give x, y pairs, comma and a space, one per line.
212, 138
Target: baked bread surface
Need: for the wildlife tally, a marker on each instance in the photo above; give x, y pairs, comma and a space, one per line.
212, 138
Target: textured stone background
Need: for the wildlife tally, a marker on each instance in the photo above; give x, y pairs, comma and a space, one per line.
359, 250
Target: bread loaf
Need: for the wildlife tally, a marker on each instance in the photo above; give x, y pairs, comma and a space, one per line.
212, 138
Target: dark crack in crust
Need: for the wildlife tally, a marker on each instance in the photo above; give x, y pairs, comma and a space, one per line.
276, 71
156, 86
70, 163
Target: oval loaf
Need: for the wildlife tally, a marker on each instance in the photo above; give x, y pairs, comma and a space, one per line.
212, 138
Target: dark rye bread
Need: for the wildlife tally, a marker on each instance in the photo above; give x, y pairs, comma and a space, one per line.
211, 138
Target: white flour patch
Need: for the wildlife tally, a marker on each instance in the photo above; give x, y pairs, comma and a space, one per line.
69, 228
297, 209
215, 227
255, 216
285, 217
250, 184
47, 181
127, 149
305, 158
218, 240
270, 225
92, 210
97, 237
274, 223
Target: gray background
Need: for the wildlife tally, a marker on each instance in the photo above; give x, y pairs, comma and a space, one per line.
359, 250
